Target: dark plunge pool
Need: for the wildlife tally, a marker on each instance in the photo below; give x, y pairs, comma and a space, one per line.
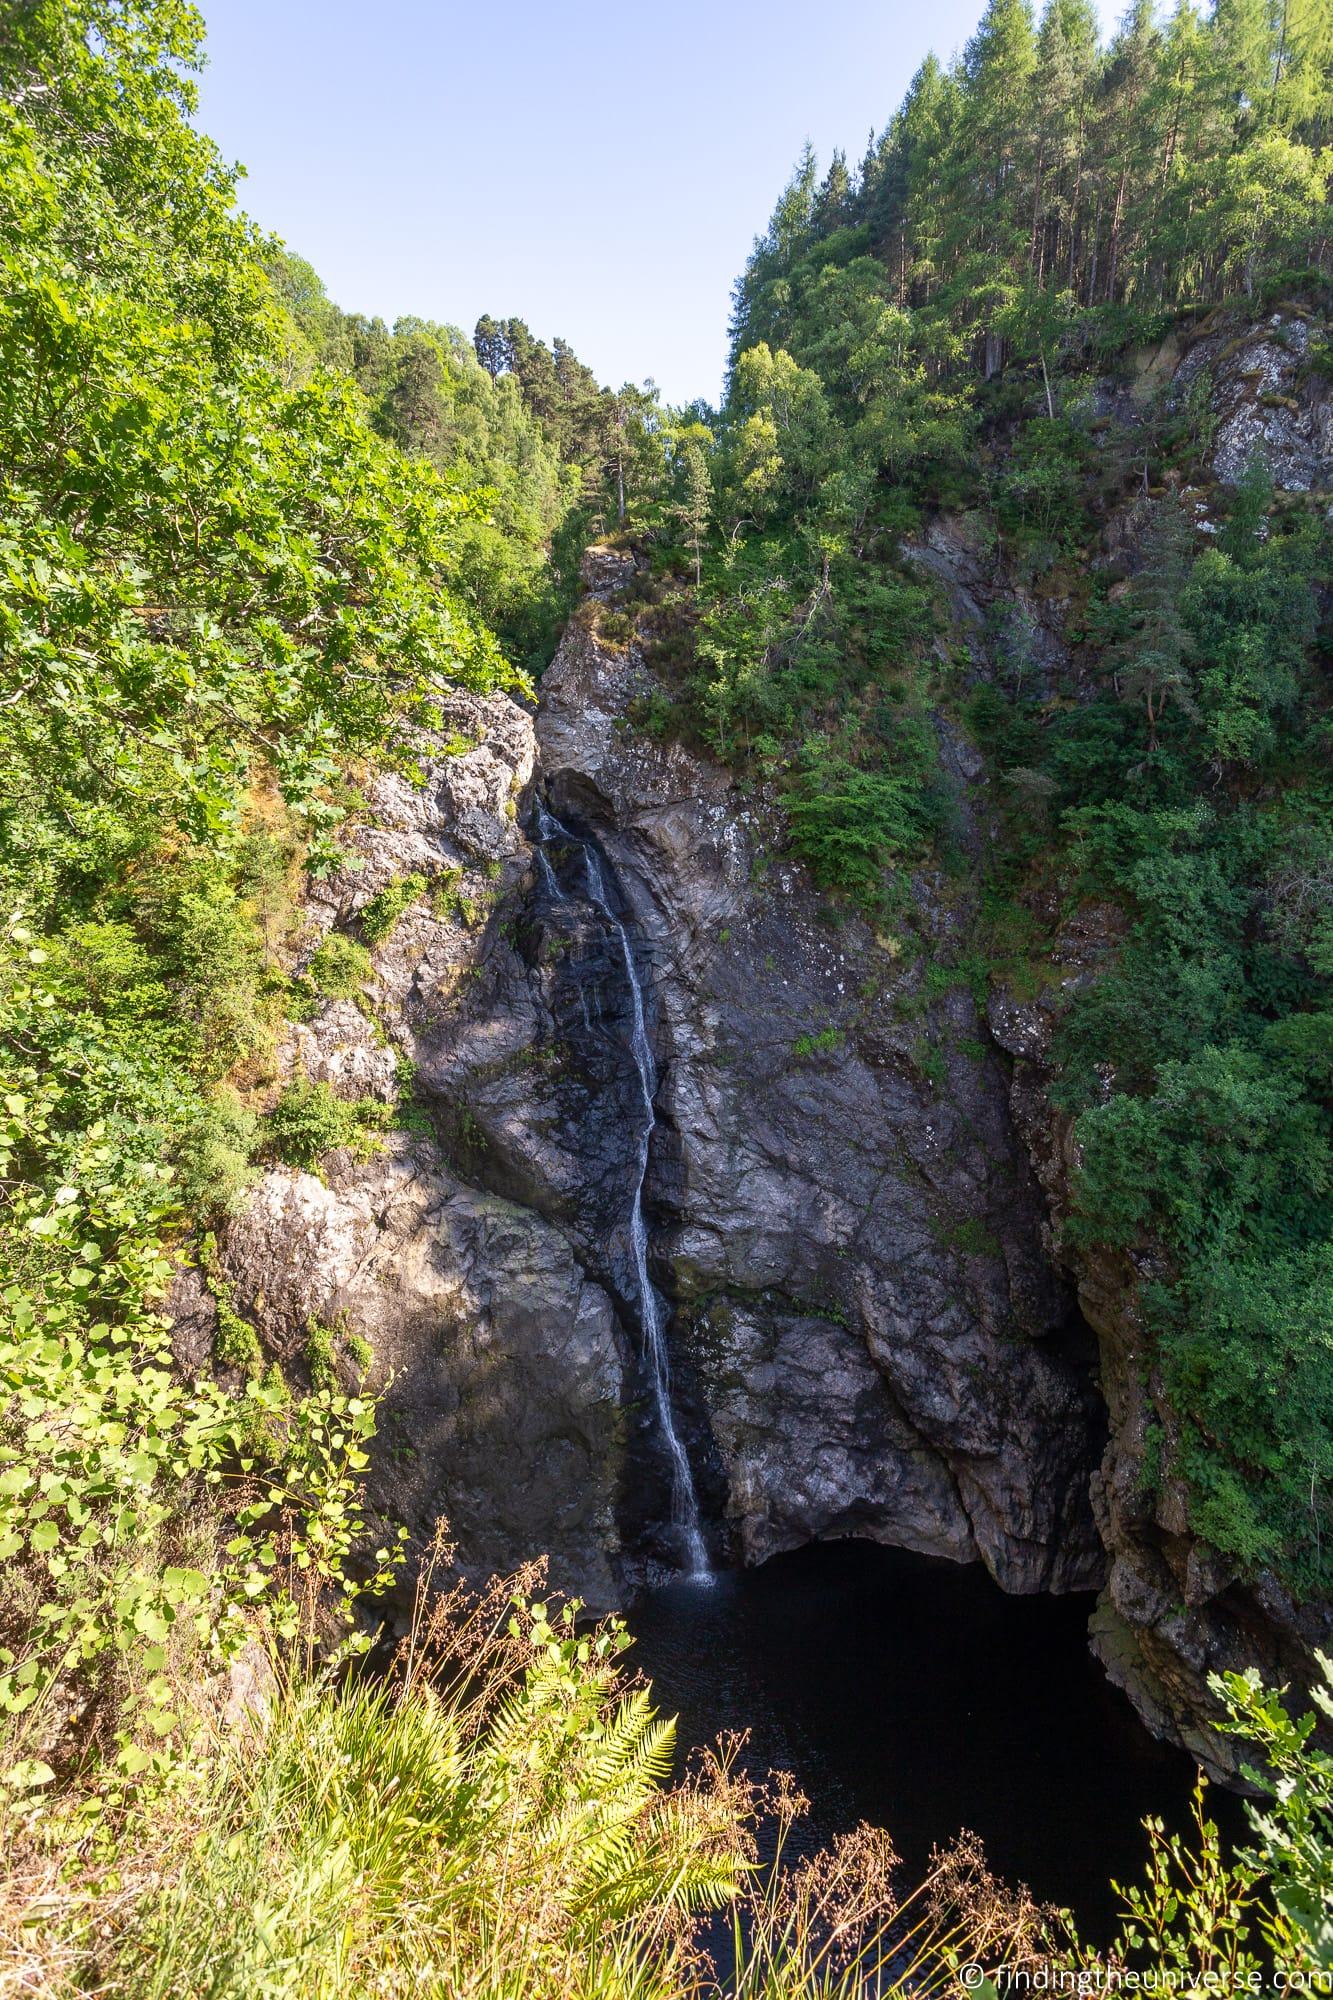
915, 1694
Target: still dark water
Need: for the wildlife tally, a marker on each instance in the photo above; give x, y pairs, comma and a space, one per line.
915, 1694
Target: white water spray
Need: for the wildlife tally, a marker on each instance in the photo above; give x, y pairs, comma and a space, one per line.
684, 1498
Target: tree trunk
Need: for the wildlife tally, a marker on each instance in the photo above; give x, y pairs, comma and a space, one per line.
1117, 217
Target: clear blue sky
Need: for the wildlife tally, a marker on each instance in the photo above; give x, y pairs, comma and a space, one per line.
598, 170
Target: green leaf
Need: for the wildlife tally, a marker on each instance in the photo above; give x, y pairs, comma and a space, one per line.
28, 1775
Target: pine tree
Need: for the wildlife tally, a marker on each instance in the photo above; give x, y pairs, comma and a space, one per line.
833, 203
1067, 67
907, 214
491, 343
1125, 143
1302, 91
1039, 178
1152, 663
1244, 52
753, 314
991, 181
695, 505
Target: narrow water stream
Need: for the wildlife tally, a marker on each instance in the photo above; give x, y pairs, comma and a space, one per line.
685, 1516
915, 1694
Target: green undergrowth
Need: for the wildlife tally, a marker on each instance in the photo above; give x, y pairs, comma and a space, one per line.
495, 1814
224, 596
309, 1120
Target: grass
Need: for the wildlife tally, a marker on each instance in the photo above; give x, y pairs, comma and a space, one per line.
824, 1043
493, 1818
491, 1815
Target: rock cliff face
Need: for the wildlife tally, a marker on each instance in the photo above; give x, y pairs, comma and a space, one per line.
503, 1363
867, 1337
856, 1187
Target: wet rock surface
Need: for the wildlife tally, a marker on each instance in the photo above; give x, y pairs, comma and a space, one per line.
868, 1339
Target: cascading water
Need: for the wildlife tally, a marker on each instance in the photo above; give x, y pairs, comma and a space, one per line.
684, 1498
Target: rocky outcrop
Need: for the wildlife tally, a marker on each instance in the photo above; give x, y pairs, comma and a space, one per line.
868, 1337
1267, 400
501, 1365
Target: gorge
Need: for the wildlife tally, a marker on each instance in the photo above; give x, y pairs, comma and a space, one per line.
875, 1326
672, 1059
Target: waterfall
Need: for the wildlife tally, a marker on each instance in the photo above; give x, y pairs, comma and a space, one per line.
684, 1498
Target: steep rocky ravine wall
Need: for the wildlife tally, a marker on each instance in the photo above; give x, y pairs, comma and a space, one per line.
855, 1192
502, 1365
1172, 1611
866, 1333
868, 1337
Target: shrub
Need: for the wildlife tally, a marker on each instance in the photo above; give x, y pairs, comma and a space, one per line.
1041, 493
821, 1044
320, 1354
849, 824
308, 1121
381, 914
327, 1343
1194, 1924
1217, 1145
1294, 1821
113, 1467
213, 1155
340, 967
444, 891
505, 1783
614, 628
503, 1779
